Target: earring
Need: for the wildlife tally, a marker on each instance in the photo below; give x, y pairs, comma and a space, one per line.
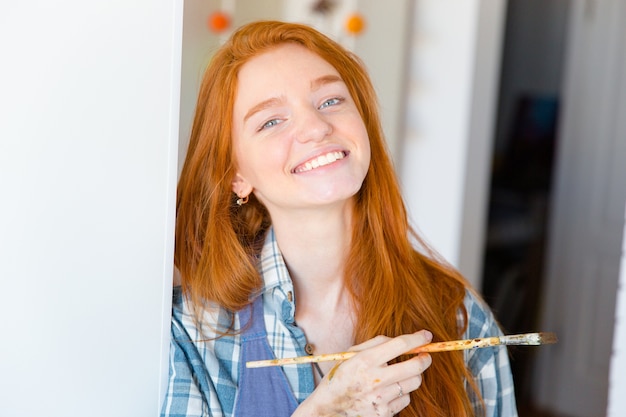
242, 200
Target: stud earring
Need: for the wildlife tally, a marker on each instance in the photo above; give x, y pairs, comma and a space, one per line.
242, 200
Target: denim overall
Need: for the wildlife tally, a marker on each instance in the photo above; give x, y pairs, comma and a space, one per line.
262, 391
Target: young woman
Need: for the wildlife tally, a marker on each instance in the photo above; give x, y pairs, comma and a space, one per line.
292, 238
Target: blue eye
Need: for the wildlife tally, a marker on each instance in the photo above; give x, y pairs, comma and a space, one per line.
269, 123
331, 102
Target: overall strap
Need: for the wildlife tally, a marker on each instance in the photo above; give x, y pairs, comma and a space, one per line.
261, 391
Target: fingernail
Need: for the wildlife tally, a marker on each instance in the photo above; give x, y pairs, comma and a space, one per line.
428, 335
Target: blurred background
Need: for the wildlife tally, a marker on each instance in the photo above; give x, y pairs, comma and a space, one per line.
505, 120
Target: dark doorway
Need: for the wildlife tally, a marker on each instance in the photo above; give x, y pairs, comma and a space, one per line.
522, 165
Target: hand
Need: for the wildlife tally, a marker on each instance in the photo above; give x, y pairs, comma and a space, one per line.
365, 385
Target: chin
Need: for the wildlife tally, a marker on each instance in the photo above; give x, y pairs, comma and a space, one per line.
338, 197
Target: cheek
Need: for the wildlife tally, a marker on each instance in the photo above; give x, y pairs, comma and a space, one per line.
364, 142
242, 159
245, 164
260, 163
367, 157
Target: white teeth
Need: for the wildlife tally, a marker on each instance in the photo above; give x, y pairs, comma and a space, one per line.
320, 161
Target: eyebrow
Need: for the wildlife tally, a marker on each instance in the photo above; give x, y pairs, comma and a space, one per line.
262, 106
326, 79
274, 101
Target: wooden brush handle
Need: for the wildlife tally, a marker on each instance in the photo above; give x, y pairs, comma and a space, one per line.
457, 345
519, 339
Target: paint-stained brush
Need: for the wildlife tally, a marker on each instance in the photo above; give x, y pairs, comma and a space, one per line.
526, 339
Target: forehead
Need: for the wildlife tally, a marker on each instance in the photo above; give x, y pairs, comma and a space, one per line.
283, 65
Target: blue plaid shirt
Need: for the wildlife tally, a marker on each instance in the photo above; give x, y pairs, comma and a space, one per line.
204, 368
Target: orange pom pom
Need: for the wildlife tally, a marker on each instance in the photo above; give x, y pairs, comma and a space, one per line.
218, 22
355, 24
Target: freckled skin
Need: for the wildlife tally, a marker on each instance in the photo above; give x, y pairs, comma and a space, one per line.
344, 402
348, 400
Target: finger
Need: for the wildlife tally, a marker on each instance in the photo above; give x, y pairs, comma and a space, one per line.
398, 404
399, 345
397, 390
378, 340
406, 386
391, 402
399, 393
408, 368
402, 387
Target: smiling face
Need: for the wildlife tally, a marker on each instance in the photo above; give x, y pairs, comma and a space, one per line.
299, 139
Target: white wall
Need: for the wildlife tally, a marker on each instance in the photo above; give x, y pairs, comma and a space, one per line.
88, 143
453, 78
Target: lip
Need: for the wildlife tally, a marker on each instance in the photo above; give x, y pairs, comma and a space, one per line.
315, 156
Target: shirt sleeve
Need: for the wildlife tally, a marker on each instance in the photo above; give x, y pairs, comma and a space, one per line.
490, 366
201, 367
184, 397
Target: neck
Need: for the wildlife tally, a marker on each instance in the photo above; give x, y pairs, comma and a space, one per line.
315, 245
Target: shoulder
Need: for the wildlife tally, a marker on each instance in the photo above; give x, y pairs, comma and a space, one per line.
481, 321
489, 366
203, 363
210, 318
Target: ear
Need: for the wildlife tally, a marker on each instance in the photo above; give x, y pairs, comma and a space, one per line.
241, 186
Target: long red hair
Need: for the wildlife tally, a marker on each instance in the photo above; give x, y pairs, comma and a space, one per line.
396, 289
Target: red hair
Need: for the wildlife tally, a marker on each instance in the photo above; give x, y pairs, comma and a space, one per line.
395, 288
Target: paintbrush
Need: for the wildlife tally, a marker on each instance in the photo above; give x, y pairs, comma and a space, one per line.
526, 339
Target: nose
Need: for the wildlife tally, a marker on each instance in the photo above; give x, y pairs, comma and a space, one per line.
312, 126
